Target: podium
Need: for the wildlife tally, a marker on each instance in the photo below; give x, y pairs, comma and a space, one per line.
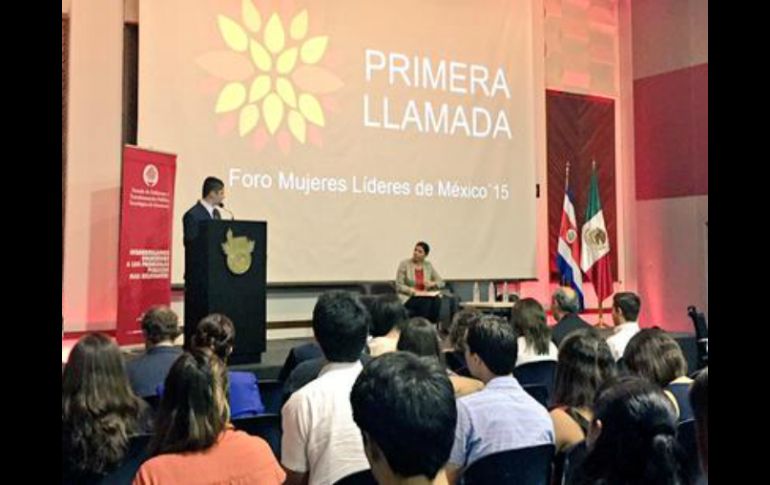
225, 272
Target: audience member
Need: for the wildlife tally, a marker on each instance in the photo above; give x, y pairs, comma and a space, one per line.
502, 416
298, 355
217, 332
455, 351
565, 305
625, 311
319, 415
585, 363
160, 327
405, 409
420, 337
534, 336
100, 412
388, 316
654, 355
194, 442
632, 437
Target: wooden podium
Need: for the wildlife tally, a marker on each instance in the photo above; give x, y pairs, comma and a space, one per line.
225, 272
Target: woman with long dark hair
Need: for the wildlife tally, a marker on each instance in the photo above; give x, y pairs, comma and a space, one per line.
632, 438
194, 442
585, 364
100, 412
533, 335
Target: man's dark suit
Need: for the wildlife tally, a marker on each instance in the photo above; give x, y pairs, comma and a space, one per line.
568, 324
192, 219
146, 372
191, 222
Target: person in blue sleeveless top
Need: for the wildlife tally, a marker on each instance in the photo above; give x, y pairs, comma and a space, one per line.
656, 356
217, 332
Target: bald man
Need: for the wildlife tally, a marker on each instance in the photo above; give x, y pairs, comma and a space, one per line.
565, 306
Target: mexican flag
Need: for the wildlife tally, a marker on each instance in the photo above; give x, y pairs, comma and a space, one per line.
595, 256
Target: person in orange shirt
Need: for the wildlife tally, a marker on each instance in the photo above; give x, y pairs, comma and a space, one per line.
194, 442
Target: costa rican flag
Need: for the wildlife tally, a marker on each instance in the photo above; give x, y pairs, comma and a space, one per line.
568, 249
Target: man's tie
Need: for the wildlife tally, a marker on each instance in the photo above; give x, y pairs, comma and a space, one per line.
216, 213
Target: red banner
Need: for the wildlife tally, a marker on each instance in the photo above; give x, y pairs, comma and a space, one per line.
144, 271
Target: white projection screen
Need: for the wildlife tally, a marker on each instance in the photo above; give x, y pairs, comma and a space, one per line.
354, 128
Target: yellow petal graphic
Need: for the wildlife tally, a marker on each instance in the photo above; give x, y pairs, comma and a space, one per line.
274, 35
297, 126
286, 92
233, 34
260, 56
226, 65
272, 110
299, 26
259, 88
248, 119
315, 80
231, 98
314, 49
287, 60
251, 16
311, 108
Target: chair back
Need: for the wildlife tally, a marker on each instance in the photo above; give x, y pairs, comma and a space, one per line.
539, 392
524, 466
364, 477
271, 391
266, 426
572, 460
543, 373
136, 455
701, 335
685, 436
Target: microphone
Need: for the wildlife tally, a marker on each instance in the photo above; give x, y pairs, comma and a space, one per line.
222, 206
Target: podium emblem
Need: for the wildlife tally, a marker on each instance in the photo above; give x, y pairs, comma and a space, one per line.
238, 251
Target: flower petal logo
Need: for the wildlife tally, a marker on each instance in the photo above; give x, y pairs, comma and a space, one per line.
279, 90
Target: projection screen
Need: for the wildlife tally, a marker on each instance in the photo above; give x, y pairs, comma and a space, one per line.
354, 128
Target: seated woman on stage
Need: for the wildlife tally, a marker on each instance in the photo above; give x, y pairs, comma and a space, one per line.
417, 277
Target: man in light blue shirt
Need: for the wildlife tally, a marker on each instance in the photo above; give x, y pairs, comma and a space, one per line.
502, 416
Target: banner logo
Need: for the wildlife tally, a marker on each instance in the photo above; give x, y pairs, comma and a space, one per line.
150, 175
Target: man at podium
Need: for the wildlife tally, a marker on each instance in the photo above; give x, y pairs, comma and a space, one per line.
418, 284
213, 194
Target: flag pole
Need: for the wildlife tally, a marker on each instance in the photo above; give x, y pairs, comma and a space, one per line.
600, 324
566, 186
601, 321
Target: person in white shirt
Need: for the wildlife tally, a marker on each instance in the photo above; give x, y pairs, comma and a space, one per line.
533, 335
321, 443
388, 318
625, 312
